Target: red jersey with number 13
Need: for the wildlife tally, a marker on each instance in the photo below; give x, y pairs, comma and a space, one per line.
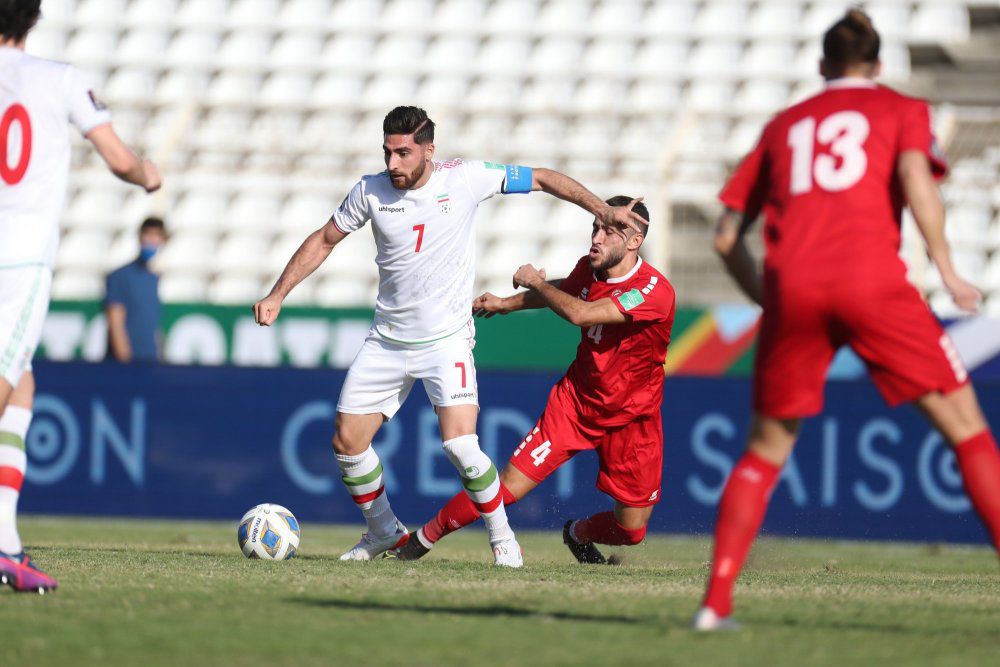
617, 376
824, 176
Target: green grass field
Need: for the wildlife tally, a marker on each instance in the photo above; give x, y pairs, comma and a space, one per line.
147, 593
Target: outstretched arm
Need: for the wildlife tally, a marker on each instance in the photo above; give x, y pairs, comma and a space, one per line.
575, 311
313, 251
487, 305
928, 210
122, 161
567, 189
730, 244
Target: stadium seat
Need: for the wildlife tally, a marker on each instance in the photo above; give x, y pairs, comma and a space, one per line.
559, 16
84, 250
351, 15
595, 95
443, 92
57, 13
244, 49
188, 49
77, 286
386, 91
715, 58
95, 13
337, 292
618, 16
149, 13
404, 14
651, 96
199, 210
305, 212
346, 50
47, 40
769, 58
662, 57
188, 252
506, 55
205, 14
609, 56
761, 97
182, 288
296, 50
459, 16
129, 86
339, 90
511, 15
96, 208
775, 19
254, 14
485, 93
557, 54
143, 46
305, 15
235, 290
241, 256
548, 94
287, 90
234, 88
891, 19
709, 96
721, 18
939, 22
93, 46
674, 18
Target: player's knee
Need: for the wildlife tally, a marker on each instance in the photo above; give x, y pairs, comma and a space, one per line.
634, 536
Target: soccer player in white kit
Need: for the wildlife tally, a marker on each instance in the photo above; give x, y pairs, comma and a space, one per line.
422, 214
38, 99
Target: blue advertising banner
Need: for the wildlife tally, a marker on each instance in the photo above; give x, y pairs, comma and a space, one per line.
171, 441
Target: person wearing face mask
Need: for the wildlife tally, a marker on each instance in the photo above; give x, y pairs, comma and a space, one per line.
132, 303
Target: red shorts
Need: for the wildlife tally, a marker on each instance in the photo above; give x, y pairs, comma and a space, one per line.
889, 326
630, 456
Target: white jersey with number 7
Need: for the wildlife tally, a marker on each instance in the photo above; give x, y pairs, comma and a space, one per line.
426, 244
38, 100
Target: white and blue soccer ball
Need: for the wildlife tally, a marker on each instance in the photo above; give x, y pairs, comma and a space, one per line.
269, 532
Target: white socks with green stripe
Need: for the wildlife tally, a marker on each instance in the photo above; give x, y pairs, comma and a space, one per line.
482, 483
13, 462
362, 475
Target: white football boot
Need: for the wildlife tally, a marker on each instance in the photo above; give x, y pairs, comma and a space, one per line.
371, 547
507, 553
706, 620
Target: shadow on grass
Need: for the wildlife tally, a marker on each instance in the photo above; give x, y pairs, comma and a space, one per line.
489, 611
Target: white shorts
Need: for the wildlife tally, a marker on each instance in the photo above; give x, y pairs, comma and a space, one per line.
24, 302
382, 375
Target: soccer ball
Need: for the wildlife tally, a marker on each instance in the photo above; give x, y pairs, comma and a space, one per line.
270, 532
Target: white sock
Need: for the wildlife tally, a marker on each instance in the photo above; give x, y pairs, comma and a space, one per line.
482, 483
13, 428
362, 475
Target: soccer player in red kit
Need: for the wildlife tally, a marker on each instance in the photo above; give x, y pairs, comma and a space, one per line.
831, 176
608, 401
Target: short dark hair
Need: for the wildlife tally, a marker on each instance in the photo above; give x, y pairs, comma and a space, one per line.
17, 17
851, 41
153, 223
409, 120
640, 208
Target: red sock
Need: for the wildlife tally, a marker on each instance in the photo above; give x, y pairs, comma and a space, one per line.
603, 528
741, 511
458, 513
979, 462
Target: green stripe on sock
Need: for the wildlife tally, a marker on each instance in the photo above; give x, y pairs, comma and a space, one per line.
364, 479
12, 439
482, 482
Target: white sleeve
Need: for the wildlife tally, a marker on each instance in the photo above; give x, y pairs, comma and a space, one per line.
85, 111
352, 214
485, 179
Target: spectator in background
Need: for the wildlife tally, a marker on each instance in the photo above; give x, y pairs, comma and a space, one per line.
132, 304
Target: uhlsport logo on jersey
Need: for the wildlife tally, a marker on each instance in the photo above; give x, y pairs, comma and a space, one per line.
444, 203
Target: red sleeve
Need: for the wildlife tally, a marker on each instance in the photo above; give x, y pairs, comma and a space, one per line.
579, 277
915, 134
747, 187
652, 303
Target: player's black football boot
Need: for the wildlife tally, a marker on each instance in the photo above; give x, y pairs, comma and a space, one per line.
584, 553
412, 550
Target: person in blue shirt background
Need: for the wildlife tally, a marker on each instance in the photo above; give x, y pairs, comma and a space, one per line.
132, 302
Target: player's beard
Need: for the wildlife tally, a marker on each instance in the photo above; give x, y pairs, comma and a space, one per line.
612, 257
418, 173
